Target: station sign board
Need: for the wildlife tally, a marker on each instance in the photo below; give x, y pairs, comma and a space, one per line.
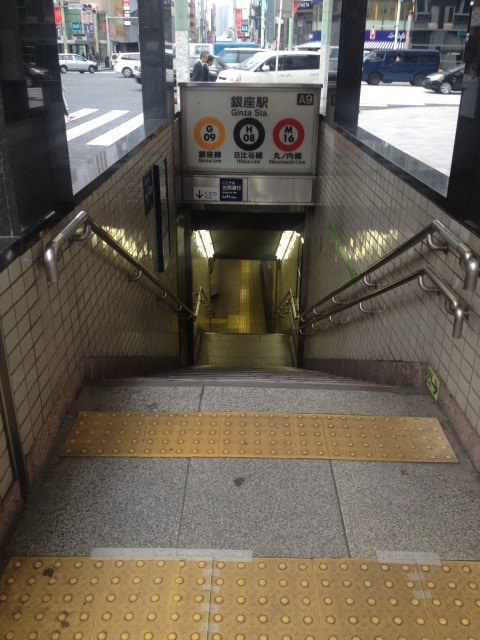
259, 129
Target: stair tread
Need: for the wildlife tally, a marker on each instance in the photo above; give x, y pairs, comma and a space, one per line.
280, 376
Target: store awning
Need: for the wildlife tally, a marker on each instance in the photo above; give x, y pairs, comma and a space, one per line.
373, 44
384, 39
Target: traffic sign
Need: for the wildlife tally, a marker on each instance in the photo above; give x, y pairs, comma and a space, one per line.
76, 26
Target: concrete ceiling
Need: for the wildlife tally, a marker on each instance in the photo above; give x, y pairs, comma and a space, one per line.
246, 235
248, 244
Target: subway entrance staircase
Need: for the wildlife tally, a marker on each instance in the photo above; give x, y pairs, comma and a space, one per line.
223, 502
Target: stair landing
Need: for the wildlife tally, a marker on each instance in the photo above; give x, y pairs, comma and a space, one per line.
245, 350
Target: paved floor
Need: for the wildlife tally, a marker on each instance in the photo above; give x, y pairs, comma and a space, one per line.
348, 523
295, 508
419, 123
412, 519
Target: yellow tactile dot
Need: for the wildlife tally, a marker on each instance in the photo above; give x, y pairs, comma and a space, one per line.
259, 435
291, 599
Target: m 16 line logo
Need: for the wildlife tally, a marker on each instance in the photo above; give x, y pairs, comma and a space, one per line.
288, 134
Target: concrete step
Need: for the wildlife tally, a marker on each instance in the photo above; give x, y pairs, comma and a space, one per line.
232, 350
275, 377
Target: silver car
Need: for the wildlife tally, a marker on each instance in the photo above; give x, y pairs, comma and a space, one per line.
76, 62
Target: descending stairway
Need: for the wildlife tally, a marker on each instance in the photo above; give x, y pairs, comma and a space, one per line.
409, 530
246, 350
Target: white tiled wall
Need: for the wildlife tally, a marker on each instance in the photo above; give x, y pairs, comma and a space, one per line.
94, 311
365, 211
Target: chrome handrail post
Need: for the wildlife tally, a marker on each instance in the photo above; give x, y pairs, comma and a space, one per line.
50, 256
471, 264
459, 315
469, 260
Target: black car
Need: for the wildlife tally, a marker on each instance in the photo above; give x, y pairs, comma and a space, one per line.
446, 81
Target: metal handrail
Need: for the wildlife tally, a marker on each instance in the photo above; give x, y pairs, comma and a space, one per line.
70, 233
289, 306
201, 299
469, 261
453, 304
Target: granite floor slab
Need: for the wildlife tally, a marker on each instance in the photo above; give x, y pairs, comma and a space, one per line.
274, 508
294, 508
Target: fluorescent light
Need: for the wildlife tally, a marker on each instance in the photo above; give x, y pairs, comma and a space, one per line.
204, 243
286, 244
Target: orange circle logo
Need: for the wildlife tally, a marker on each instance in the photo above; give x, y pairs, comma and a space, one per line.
209, 133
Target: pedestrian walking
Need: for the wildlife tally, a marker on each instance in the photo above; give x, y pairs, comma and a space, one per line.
68, 117
200, 68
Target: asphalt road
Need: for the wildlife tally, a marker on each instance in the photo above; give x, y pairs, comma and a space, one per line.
99, 103
102, 90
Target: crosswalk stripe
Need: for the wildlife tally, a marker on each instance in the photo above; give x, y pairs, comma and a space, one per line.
82, 113
106, 139
76, 132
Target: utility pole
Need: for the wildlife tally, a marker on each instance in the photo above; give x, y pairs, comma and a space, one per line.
397, 22
234, 8
64, 26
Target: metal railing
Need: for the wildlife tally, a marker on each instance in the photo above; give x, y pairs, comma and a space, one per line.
469, 261
71, 234
453, 304
288, 306
200, 299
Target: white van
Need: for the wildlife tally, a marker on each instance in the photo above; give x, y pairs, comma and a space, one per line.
272, 66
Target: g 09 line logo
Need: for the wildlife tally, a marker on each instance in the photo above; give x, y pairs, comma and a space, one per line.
209, 133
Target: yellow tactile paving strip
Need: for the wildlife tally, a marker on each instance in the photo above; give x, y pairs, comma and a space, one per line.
258, 435
256, 599
244, 296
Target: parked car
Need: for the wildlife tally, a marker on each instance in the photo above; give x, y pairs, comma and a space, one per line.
234, 56
171, 74
446, 81
400, 65
76, 62
171, 77
125, 62
293, 67
137, 72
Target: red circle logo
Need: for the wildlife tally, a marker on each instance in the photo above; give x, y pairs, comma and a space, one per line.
288, 134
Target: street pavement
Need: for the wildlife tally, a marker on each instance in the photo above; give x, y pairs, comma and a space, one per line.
420, 123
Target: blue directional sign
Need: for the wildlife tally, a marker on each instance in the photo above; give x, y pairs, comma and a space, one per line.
76, 26
231, 189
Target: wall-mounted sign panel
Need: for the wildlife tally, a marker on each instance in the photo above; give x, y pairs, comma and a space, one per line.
249, 128
259, 190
